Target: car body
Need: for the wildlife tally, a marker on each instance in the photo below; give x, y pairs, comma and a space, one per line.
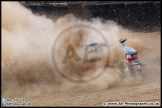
133, 64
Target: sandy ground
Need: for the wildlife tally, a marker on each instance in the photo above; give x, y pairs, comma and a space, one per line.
148, 90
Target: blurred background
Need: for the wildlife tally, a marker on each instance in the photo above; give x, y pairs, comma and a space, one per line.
136, 15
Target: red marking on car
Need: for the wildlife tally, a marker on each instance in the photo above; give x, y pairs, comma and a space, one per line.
93, 64
135, 56
129, 57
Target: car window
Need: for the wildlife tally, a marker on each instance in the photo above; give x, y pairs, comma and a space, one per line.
92, 47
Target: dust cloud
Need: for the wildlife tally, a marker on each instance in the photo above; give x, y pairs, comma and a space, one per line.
27, 41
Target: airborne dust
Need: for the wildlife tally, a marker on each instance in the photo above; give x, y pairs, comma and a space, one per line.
27, 40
